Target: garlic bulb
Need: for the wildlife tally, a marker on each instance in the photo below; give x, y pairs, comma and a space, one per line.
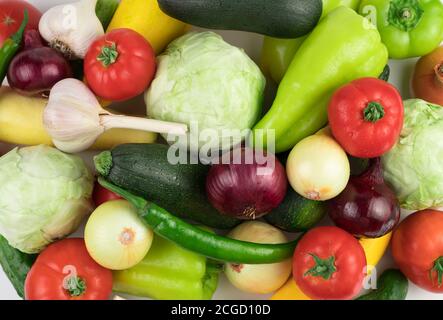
74, 118
71, 28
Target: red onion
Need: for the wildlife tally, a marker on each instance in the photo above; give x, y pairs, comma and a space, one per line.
37, 69
367, 207
249, 189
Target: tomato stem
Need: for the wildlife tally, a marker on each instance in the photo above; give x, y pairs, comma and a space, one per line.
404, 14
75, 286
324, 268
108, 55
438, 267
373, 112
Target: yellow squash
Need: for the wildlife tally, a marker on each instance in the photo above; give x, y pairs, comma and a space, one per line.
145, 17
21, 123
374, 251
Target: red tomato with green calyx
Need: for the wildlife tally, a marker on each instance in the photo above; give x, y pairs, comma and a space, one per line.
66, 271
329, 263
101, 195
417, 248
366, 117
11, 16
119, 65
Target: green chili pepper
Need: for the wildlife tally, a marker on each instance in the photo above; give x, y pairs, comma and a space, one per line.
200, 241
343, 47
277, 53
408, 28
11, 46
169, 272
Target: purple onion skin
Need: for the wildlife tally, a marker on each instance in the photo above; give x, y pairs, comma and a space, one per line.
367, 207
239, 190
37, 69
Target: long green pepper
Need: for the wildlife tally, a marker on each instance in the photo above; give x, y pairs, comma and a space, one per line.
11, 46
200, 241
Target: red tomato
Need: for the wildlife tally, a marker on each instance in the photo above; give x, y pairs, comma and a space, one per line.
417, 248
102, 195
120, 65
66, 271
366, 117
11, 16
329, 263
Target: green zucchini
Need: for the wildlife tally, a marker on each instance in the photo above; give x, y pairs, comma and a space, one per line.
392, 285
275, 18
105, 9
16, 265
296, 213
144, 169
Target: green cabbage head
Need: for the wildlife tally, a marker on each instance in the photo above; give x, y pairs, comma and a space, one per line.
201, 79
45, 194
414, 167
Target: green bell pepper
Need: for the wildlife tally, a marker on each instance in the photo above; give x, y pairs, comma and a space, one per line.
408, 28
169, 272
343, 47
277, 53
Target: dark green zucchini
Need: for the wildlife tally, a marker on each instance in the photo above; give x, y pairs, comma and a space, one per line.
16, 265
105, 9
275, 18
392, 285
296, 213
144, 169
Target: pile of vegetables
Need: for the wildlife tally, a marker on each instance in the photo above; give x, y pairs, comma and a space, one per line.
230, 187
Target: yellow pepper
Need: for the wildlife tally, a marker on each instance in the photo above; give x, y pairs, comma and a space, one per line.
374, 251
145, 17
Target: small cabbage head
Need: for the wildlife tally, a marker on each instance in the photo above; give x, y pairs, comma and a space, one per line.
44, 196
203, 81
414, 167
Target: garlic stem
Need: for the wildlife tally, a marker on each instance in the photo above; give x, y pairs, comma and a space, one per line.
109, 121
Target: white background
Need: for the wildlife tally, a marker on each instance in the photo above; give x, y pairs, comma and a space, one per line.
400, 76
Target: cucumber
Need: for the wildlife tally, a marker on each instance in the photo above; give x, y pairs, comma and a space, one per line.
392, 285
275, 18
16, 265
144, 169
296, 213
105, 9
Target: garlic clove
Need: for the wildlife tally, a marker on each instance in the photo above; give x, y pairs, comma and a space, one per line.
72, 116
71, 28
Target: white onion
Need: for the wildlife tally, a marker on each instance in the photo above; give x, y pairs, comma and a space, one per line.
258, 278
318, 168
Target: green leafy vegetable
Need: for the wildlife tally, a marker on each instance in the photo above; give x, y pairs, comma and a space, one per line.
45, 194
203, 79
413, 167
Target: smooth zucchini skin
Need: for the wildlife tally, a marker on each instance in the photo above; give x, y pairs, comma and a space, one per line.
391, 285
144, 170
16, 265
296, 213
275, 18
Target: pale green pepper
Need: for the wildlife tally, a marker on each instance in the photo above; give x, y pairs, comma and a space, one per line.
343, 47
169, 272
277, 53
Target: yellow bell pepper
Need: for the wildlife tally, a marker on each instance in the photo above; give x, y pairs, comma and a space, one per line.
145, 17
374, 251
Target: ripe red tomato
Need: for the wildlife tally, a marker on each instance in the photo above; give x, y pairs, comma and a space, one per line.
417, 248
11, 16
120, 65
366, 117
66, 271
101, 195
329, 263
